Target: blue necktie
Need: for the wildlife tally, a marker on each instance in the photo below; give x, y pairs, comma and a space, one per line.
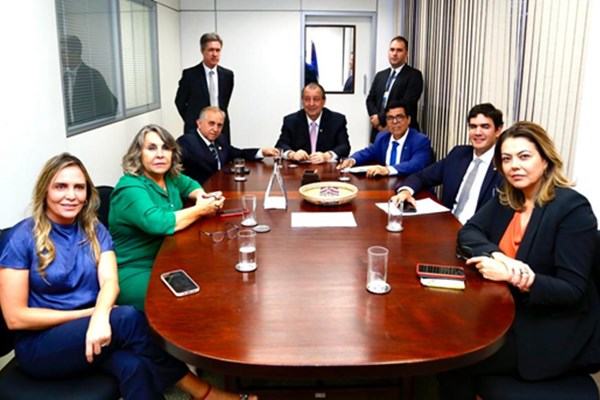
390, 80
393, 153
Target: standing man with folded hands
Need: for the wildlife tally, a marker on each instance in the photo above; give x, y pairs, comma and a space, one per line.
206, 84
314, 134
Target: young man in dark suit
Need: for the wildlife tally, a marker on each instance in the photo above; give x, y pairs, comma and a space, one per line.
314, 134
205, 152
398, 151
399, 82
197, 84
485, 126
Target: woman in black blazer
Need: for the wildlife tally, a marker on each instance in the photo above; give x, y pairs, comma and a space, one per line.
539, 236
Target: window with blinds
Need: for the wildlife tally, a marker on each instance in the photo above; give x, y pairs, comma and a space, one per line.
109, 60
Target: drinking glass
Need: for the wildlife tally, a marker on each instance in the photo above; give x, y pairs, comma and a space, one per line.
377, 270
395, 213
247, 251
344, 172
249, 204
239, 169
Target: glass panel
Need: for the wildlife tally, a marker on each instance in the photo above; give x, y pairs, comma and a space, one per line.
329, 57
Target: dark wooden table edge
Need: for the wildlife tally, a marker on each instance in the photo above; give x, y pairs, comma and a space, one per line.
290, 372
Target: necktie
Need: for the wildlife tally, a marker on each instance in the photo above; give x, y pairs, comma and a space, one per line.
313, 137
466, 190
393, 153
390, 80
212, 89
388, 85
213, 150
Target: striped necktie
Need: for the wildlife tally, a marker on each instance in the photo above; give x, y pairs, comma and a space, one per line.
215, 154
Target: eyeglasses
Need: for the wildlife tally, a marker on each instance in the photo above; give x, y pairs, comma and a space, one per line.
218, 236
395, 118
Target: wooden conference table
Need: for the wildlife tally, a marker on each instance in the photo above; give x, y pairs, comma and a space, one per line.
305, 312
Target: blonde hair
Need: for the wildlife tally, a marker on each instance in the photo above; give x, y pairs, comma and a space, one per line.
553, 176
86, 219
132, 160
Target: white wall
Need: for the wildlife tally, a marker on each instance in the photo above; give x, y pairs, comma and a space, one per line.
31, 106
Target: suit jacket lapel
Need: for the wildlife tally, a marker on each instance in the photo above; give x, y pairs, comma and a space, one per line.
530, 232
401, 77
489, 179
203, 83
205, 152
460, 171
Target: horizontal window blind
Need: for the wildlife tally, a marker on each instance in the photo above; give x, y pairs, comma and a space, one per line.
109, 60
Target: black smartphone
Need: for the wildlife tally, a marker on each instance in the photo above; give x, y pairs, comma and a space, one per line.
440, 271
408, 207
180, 283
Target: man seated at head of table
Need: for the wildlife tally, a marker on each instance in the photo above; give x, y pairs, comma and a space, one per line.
538, 235
314, 134
467, 173
400, 150
206, 151
147, 204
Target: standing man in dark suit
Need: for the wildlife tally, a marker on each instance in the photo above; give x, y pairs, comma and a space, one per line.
398, 151
206, 84
87, 96
400, 82
315, 133
205, 152
464, 199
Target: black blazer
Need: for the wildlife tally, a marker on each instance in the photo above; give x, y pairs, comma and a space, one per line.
192, 96
407, 87
557, 324
333, 134
449, 173
92, 99
198, 161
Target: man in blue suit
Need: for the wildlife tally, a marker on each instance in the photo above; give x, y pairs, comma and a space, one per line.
194, 92
205, 152
398, 151
314, 134
485, 126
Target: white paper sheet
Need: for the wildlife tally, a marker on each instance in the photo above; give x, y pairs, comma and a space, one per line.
424, 206
360, 170
323, 219
274, 203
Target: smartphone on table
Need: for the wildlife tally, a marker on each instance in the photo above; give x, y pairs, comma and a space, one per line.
439, 271
180, 283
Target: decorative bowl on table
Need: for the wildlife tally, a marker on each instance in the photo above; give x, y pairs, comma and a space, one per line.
330, 193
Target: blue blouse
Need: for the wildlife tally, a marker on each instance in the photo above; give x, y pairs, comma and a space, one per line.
71, 280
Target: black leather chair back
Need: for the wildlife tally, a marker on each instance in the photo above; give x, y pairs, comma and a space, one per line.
104, 192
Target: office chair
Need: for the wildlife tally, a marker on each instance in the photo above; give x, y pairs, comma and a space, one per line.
104, 192
576, 386
15, 384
